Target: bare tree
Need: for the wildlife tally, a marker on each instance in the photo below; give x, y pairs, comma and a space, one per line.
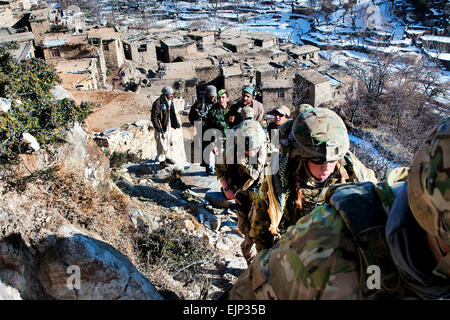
374, 74
429, 77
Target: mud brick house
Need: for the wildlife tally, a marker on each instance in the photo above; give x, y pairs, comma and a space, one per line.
24, 41
307, 52
39, 21
204, 39
311, 87
234, 79
109, 41
277, 92
237, 45
62, 46
263, 39
173, 48
81, 74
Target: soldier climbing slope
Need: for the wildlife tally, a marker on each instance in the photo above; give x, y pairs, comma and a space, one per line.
241, 175
318, 157
390, 240
215, 119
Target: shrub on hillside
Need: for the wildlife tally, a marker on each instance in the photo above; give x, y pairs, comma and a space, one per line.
28, 85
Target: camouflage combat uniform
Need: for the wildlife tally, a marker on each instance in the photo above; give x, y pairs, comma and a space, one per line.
285, 187
296, 192
245, 178
328, 254
215, 119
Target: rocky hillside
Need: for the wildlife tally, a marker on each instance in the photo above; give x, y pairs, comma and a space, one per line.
98, 209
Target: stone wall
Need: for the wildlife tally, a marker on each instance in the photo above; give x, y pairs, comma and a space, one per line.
322, 93
114, 56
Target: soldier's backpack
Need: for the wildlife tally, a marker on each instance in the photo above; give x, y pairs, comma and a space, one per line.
363, 214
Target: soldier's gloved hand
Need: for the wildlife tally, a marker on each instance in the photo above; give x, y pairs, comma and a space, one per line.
229, 194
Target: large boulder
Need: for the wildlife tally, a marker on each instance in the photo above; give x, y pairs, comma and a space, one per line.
80, 155
104, 273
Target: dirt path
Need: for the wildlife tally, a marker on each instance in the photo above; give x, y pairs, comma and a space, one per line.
162, 199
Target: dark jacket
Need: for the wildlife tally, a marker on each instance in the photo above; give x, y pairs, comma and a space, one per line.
161, 113
199, 110
235, 110
270, 127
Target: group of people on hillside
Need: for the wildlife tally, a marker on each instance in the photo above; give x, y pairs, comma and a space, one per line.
316, 219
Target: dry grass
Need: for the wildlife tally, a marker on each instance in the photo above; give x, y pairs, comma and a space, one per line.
106, 214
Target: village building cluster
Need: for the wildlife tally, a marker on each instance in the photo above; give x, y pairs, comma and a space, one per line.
88, 57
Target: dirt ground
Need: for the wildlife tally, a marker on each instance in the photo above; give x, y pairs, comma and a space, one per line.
116, 108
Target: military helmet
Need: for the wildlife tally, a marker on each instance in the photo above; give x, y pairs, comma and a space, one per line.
429, 182
251, 133
319, 134
302, 108
247, 113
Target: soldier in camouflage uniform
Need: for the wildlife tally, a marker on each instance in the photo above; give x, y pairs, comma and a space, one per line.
317, 158
300, 109
402, 227
241, 177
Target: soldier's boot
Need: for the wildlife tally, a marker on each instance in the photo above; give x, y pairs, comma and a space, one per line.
210, 171
164, 164
170, 161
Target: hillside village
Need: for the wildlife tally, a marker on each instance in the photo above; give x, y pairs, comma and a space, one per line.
92, 57
121, 56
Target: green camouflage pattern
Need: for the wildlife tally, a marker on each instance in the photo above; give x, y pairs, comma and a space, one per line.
429, 182
247, 113
316, 259
300, 109
319, 257
286, 181
216, 119
313, 260
319, 134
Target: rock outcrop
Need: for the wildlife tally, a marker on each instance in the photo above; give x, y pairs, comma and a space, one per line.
38, 243
104, 273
